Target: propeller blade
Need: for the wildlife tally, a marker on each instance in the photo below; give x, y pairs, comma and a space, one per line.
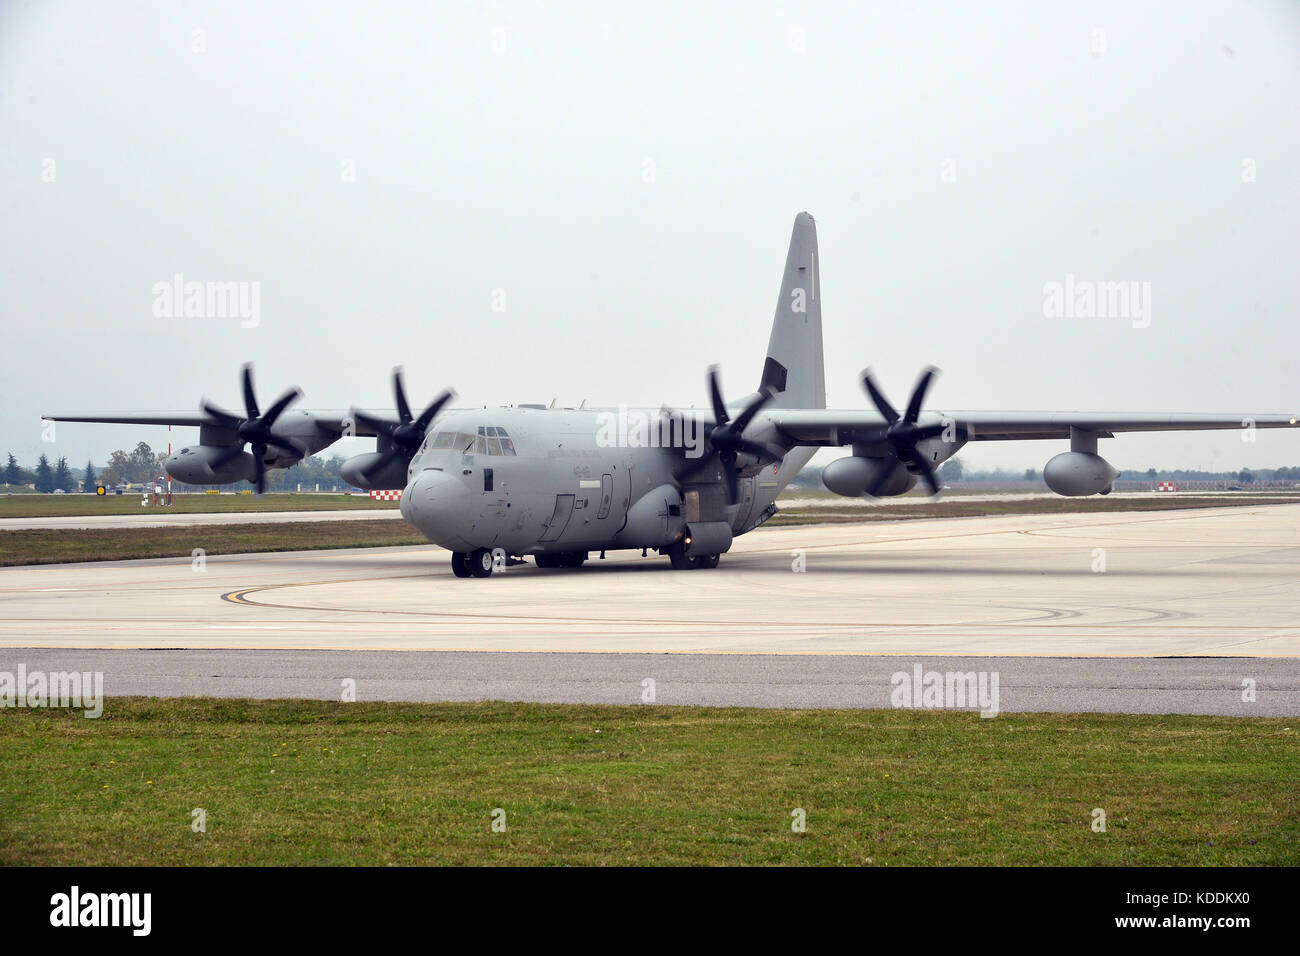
929, 431
878, 398
757, 450
285, 444
250, 400
918, 393
720, 416
381, 463
744, 418
281, 403
259, 468
399, 396
380, 425
431, 412
222, 417
227, 456
927, 473
733, 479
886, 470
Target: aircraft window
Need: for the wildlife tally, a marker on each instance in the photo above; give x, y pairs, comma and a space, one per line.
507, 446
494, 446
464, 441
480, 445
444, 440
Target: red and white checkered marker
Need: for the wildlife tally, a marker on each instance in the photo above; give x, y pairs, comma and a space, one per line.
1160, 486
387, 495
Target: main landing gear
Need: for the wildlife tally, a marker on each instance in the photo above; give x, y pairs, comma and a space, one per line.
681, 562
573, 559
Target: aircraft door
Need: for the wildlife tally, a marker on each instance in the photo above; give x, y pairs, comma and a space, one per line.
559, 519
606, 495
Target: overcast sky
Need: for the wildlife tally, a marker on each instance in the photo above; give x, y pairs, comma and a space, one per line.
627, 175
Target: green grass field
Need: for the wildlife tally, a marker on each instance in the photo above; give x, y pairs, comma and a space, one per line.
62, 546
298, 782
50, 506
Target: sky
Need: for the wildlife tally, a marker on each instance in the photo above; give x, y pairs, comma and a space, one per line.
593, 201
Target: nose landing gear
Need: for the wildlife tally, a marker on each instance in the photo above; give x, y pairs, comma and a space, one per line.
478, 564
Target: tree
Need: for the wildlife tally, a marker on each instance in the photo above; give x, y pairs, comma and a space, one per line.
13, 474
63, 475
44, 475
1245, 477
1151, 473
1031, 475
88, 482
951, 470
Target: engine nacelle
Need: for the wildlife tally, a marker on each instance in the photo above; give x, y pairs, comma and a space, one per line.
393, 476
852, 476
1077, 473
193, 465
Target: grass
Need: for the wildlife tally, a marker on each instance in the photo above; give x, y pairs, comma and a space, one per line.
305, 782
51, 506
60, 546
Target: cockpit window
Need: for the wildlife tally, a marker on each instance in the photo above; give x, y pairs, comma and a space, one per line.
490, 440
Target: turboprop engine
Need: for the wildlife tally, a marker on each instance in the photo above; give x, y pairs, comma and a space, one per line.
211, 465
1076, 473
852, 477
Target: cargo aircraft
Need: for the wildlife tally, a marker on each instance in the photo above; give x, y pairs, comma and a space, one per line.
496, 485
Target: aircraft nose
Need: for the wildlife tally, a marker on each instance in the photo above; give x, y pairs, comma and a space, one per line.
435, 502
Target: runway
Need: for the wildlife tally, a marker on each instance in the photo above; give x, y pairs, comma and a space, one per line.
160, 517
1216, 582
1035, 684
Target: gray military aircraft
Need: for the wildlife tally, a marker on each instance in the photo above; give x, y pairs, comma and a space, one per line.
493, 485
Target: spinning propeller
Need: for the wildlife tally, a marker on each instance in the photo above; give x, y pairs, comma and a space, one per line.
404, 435
901, 433
254, 429
726, 440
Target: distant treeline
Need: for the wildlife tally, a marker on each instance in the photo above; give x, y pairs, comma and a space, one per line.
142, 465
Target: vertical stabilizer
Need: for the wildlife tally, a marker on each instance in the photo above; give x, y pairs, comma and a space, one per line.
794, 372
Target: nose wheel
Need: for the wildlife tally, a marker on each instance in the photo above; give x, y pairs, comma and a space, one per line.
476, 564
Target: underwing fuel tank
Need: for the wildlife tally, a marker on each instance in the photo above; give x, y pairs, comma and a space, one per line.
194, 465
852, 476
1075, 474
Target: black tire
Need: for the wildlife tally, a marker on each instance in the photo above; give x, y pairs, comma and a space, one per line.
707, 561
548, 560
573, 560
677, 555
460, 564
481, 563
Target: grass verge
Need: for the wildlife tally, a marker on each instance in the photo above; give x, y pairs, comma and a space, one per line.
305, 782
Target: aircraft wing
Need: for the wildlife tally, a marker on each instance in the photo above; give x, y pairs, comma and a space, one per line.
816, 426
330, 420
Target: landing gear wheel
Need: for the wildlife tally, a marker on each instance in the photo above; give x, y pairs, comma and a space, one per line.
481, 563
460, 564
573, 560
677, 555
707, 561
547, 560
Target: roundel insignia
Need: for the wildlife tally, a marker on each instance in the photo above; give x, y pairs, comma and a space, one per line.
101, 490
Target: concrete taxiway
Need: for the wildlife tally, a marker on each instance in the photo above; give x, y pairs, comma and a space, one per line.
162, 518
1216, 582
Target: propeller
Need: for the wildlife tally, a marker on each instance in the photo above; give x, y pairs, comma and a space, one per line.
254, 429
404, 435
726, 440
902, 432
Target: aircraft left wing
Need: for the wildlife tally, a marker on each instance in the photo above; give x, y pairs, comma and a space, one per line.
333, 420
830, 427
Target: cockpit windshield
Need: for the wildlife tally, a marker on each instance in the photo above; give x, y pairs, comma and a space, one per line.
490, 440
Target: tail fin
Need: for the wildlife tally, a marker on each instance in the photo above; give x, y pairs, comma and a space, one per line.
795, 372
